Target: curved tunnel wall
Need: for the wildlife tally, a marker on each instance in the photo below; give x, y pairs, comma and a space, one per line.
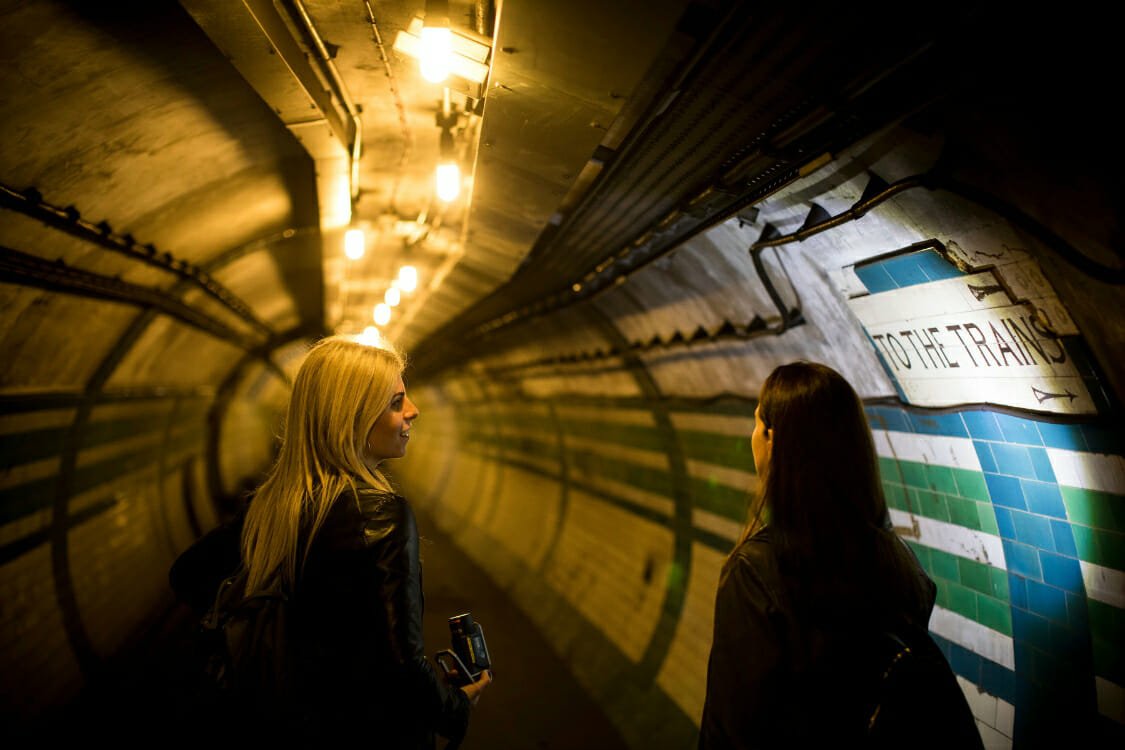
595, 461
598, 464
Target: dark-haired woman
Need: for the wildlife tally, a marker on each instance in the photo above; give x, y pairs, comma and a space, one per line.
814, 584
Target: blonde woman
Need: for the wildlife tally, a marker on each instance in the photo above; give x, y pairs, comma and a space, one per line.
327, 523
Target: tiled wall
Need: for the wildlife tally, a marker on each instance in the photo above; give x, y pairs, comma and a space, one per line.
1020, 522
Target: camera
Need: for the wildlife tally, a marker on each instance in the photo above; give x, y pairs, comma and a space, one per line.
469, 656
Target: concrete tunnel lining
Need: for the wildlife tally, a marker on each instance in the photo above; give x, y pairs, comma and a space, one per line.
582, 420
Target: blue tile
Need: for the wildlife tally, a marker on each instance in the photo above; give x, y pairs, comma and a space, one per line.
905, 270
984, 455
1023, 560
875, 277
1064, 572
882, 418
1033, 530
1013, 460
1077, 611
1004, 522
1068, 643
1017, 590
1064, 538
1046, 601
936, 267
1005, 491
1016, 430
982, 425
1044, 472
939, 424
1066, 436
1044, 498
1030, 630
942, 643
965, 662
998, 680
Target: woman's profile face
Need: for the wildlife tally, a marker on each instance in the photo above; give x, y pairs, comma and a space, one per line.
391, 432
761, 442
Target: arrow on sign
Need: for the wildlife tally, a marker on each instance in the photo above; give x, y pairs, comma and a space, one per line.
980, 292
1042, 396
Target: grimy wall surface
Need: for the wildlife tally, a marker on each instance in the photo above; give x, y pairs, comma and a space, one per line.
599, 467
158, 288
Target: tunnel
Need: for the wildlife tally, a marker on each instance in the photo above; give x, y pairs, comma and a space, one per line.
658, 203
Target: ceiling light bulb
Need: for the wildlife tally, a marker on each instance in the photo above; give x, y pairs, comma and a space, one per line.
392, 297
353, 243
382, 314
408, 278
448, 181
437, 49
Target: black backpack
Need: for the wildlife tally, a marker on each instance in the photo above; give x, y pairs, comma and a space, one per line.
246, 653
918, 702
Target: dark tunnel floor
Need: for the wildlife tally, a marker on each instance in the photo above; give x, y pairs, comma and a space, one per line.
533, 704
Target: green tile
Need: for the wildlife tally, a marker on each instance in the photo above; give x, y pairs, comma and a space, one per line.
913, 474
963, 600
994, 614
963, 512
945, 565
1000, 588
975, 575
1111, 549
930, 504
943, 596
895, 494
888, 469
1086, 542
1106, 625
922, 552
971, 484
1101, 510
987, 517
941, 479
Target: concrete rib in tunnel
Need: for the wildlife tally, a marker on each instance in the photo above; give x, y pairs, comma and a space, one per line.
927, 207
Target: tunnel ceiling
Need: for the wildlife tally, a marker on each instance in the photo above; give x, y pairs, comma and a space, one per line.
204, 143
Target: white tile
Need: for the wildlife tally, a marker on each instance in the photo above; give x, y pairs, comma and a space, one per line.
992, 739
988, 643
716, 524
1104, 584
1111, 699
939, 450
954, 539
1091, 471
982, 704
1005, 717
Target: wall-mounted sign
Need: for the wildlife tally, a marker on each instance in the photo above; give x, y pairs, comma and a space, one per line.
967, 339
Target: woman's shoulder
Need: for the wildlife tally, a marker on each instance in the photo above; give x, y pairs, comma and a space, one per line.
753, 559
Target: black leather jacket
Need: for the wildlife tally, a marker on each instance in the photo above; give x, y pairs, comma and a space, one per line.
774, 681
356, 618
358, 629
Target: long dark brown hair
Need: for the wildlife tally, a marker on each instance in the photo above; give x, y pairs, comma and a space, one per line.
822, 501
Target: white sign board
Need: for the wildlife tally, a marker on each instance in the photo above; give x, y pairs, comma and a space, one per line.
966, 340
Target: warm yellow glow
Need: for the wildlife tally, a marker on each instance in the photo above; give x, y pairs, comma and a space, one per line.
392, 297
353, 243
370, 336
408, 279
436, 53
382, 314
448, 181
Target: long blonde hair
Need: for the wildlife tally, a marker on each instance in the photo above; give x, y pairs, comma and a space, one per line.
341, 389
